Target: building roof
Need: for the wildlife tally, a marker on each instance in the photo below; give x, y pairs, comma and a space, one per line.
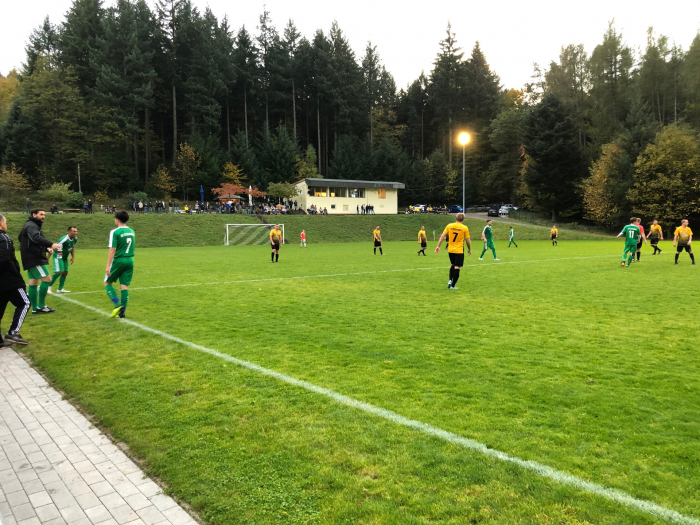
345, 183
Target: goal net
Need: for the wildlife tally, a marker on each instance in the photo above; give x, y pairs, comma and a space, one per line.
248, 234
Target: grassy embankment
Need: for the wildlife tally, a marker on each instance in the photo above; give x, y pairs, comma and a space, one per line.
157, 231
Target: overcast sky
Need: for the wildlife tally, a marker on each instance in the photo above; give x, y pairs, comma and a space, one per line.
512, 34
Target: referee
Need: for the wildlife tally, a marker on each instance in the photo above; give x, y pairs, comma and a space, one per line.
12, 288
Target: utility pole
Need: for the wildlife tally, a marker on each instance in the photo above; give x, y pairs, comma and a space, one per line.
79, 188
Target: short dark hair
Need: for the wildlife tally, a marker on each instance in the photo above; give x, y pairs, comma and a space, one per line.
71, 227
122, 216
36, 210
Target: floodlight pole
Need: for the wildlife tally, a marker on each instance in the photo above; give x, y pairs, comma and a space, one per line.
464, 147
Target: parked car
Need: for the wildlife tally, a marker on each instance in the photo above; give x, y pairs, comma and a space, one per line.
456, 208
419, 208
493, 211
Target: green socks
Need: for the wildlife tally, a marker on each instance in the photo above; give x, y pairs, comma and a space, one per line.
62, 281
32, 296
55, 277
43, 288
125, 298
112, 294
494, 253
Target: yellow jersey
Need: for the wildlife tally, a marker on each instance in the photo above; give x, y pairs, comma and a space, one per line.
422, 237
655, 230
276, 235
377, 234
684, 233
554, 231
456, 234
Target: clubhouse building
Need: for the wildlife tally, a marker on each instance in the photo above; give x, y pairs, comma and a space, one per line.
340, 196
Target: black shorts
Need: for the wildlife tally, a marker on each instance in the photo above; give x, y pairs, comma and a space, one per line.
639, 245
682, 247
554, 237
653, 241
377, 244
275, 246
457, 259
424, 245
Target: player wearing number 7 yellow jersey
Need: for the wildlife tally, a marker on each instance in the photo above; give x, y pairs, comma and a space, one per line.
456, 234
120, 262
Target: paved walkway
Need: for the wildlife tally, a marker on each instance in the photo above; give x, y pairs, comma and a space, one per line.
56, 469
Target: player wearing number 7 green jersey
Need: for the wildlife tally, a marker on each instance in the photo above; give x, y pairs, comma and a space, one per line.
630, 233
120, 262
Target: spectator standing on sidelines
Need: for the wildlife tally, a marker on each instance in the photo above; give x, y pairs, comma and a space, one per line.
177, 207
12, 288
140, 207
196, 206
33, 247
89, 205
27, 205
85, 207
170, 207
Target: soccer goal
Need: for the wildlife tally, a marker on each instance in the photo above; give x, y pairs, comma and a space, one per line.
248, 234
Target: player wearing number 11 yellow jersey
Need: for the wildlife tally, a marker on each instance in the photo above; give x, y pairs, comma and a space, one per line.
456, 234
120, 262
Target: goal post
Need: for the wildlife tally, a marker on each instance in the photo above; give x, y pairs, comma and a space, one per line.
249, 234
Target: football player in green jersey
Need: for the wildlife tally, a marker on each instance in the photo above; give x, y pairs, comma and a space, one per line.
60, 258
511, 239
120, 262
487, 237
630, 233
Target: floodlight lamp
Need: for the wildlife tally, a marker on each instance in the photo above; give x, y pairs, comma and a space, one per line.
464, 138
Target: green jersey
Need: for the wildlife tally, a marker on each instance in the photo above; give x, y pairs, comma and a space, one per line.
631, 233
488, 234
512, 232
67, 245
124, 240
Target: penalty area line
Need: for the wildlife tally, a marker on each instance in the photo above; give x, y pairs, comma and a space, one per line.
347, 274
563, 478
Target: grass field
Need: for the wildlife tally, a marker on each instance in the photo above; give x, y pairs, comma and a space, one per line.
157, 231
554, 355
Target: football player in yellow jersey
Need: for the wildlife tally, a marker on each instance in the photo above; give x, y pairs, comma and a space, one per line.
683, 236
456, 234
555, 234
656, 234
275, 241
377, 235
422, 240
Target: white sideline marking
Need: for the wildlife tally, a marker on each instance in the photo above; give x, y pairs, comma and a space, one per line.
559, 476
218, 283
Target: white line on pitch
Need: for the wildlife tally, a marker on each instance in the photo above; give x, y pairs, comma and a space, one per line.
218, 283
540, 469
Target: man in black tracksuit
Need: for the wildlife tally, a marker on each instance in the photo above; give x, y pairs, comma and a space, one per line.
33, 247
12, 288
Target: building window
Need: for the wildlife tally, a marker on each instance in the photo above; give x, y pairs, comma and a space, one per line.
346, 207
337, 192
317, 191
356, 193
332, 206
382, 194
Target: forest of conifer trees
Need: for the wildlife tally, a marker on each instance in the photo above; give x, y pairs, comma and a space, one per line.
121, 90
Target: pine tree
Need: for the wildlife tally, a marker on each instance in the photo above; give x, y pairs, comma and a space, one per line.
554, 167
79, 38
